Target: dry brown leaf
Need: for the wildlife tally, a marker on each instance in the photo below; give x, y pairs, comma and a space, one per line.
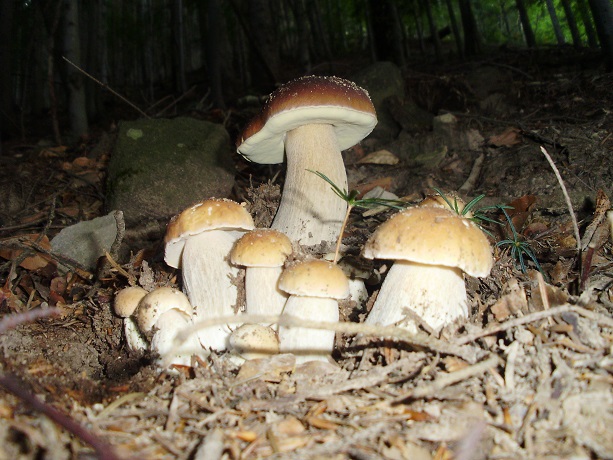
380, 157
508, 138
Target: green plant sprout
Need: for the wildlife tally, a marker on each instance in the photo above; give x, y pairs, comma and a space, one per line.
351, 198
477, 215
519, 247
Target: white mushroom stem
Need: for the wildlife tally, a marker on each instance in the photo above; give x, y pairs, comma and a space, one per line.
207, 279
436, 294
309, 344
134, 338
263, 296
310, 211
166, 329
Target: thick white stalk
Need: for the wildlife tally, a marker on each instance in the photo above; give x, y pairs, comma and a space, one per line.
310, 211
263, 296
309, 344
434, 293
207, 282
166, 329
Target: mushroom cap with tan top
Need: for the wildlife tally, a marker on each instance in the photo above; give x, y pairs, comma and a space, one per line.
314, 278
308, 100
158, 302
210, 214
263, 247
433, 236
126, 300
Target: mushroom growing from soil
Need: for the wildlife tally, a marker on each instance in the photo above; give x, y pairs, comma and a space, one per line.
315, 286
163, 313
431, 247
312, 119
263, 253
254, 341
199, 241
125, 304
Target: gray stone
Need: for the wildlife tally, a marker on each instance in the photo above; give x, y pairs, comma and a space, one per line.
160, 167
86, 241
383, 81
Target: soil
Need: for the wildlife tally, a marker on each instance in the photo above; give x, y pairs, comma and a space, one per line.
528, 375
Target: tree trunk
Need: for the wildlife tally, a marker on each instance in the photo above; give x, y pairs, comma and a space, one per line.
179, 46
525, 24
77, 111
572, 23
213, 46
454, 28
387, 33
586, 18
555, 22
302, 29
7, 100
602, 11
438, 50
472, 41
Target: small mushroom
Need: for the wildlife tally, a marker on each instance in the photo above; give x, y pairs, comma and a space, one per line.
314, 287
312, 119
431, 247
254, 341
263, 253
163, 313
125, 304
199, 241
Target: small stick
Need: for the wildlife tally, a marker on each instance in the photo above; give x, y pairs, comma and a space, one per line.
14, 320
469, 354
107, 87
475, 172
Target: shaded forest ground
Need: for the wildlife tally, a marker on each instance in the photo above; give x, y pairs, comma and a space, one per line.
533, 373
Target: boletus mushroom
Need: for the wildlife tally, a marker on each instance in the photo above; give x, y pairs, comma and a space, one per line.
312, 119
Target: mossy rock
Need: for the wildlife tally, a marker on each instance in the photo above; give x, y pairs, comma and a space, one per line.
159, 167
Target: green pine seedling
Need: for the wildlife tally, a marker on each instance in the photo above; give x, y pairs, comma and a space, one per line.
519, 247
351, 198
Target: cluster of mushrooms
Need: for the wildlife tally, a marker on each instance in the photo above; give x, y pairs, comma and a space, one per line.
307, 122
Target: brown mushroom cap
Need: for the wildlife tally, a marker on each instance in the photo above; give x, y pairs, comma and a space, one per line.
210, 214
434, 236
315, 278
308, 100
262, 247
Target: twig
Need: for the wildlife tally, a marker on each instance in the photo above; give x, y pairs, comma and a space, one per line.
104, 450
536, 316
107, 87
469, 354
567, 198
475, 172
14, 320
445, 380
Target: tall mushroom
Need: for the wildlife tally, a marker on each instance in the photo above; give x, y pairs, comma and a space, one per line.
312, 119
315, 286
263, 253
199, 241
431, 247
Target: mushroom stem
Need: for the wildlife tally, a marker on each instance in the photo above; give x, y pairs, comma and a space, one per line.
435, 293
263, 296
310, 211
309, 344
208, 282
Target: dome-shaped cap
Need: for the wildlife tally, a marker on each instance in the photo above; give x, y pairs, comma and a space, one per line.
314, 278
127, 300
157, 302
308, 100
264, 247
433, 236
210, 214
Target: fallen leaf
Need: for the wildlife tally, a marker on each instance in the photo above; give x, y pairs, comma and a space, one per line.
380, 157
509, 137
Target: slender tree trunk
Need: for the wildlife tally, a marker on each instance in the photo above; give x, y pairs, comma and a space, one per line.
454, 28
77, 111
179, 46
572, 23
322, 39
302, 29
525, 24
472, 41
7, 98
438, 50
555, 22
586, 18
602, 11
213, 49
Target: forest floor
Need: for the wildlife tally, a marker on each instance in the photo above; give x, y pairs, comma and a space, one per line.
528, 375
